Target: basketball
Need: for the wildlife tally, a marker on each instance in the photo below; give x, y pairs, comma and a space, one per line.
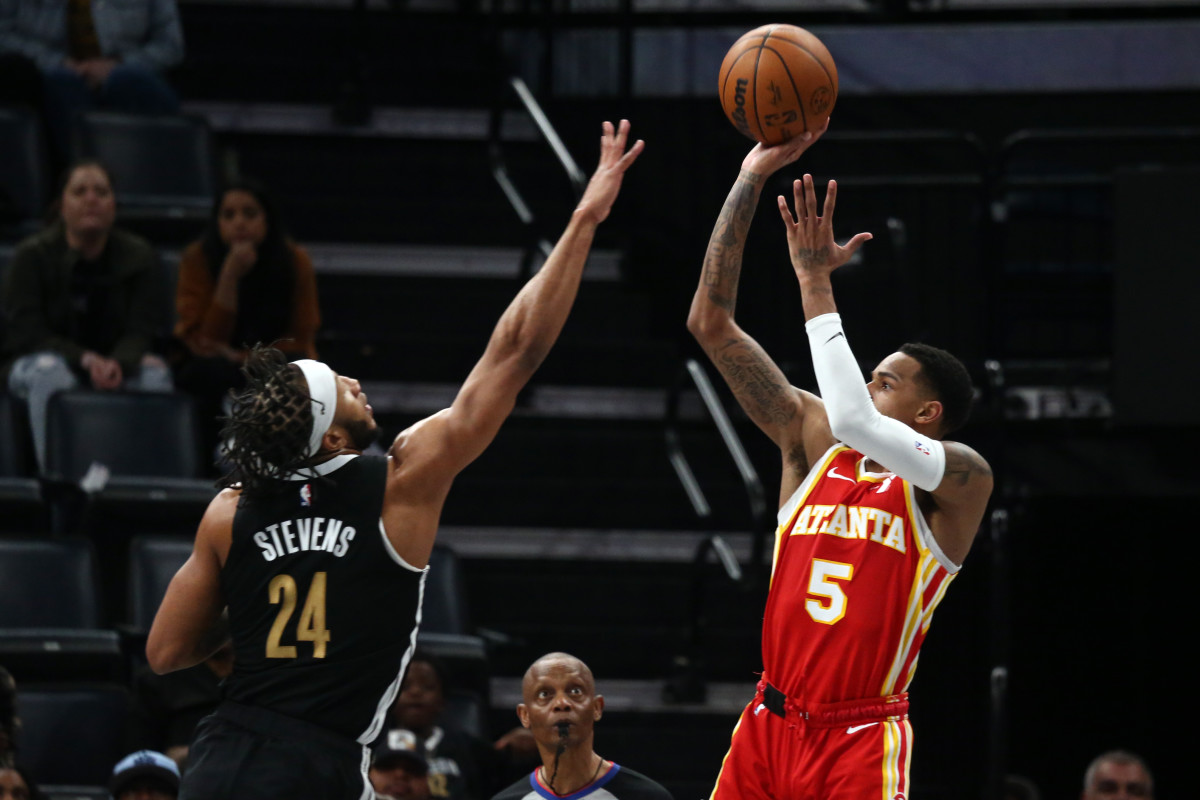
777, 82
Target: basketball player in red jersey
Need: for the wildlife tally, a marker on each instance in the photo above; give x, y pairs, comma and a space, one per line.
877, 512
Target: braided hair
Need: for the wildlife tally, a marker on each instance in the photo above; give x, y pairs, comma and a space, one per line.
266, 434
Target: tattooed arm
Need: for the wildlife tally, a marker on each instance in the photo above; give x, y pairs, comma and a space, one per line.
960, 501
794, 419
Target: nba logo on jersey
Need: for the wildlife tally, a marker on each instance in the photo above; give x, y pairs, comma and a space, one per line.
923, 448
306, 495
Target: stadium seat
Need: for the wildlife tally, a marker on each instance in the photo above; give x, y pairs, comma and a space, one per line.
162, 166
20, 492
153, 561
119, 464
445, 605
140, 438
23, 171
75, 792
446, 630
50, 620
72, 734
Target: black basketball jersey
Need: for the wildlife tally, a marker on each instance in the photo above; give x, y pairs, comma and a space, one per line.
322, 610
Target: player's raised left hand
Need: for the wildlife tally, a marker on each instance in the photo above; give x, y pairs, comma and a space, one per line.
811, 245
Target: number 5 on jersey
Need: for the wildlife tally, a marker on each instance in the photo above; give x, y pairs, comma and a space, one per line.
311, 625
823, 582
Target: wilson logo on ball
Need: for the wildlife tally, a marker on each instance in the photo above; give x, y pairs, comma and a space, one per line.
776, 82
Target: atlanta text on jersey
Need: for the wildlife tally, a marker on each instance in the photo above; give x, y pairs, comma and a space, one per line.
852, 522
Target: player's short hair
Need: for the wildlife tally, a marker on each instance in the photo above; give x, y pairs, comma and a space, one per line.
948, 379
265, 437
1116, 757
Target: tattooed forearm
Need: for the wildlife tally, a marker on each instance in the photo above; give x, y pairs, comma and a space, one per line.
723, 260
963, 463
759, 386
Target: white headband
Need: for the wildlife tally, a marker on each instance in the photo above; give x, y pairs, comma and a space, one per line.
322, 388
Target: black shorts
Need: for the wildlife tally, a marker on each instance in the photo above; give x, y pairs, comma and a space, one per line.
254, 754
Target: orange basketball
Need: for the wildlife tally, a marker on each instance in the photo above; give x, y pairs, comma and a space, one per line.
776, 82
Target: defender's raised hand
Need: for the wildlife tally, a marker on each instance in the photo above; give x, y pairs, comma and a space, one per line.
602, 189
813, 250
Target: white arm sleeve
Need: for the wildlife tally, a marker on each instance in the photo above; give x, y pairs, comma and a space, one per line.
854, 419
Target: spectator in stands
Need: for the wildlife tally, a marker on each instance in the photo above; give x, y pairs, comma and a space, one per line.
244, 282
165, 709
8, 718
15, 784
399, 770
1118, 775
561, 707
107, 55
144, 775
461, 766
83, 302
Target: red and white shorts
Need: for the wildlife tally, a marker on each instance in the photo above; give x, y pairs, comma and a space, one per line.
857, 750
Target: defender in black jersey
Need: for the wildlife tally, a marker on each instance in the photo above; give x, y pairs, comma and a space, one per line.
310, 539
561, 708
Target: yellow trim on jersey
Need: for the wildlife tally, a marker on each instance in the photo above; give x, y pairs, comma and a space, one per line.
912, 615
917, 616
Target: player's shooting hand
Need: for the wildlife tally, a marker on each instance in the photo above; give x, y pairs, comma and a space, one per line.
811, 244
764, 160
602, 189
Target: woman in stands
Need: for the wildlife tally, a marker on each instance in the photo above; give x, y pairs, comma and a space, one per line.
243, 282
82, 302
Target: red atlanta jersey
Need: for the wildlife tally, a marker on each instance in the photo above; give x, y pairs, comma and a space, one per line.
856, 577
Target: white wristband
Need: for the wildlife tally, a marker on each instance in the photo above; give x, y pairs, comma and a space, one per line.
853, 418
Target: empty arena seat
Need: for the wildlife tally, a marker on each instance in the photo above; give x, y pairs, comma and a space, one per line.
72, 734
142, 439
445, 604
153, 561
24, 171
142, 449
20, 492
50, 620
161, 165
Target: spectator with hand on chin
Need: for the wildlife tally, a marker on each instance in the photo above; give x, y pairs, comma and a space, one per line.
242, 283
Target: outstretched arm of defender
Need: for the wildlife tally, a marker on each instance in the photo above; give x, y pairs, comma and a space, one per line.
445, 443
756, 381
